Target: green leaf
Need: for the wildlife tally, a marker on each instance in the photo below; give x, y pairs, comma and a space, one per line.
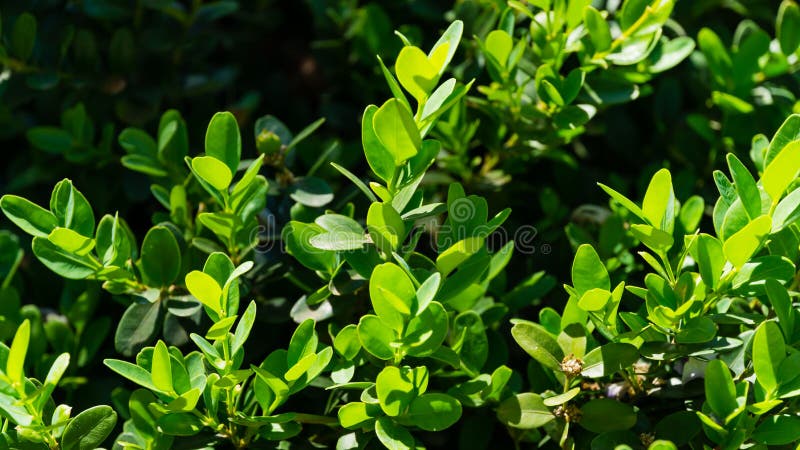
243, 327
624, 201
224, 142
298, 238
357, 181
782, 171
56, 371
417, 72
138, 327
427, 292
662, 445
23, 36
588, 271
298, 369
131, 372
31, 218
782, 304
789, 131
652, 237
397, 91
52, 140
434, 412
346, 342
392, 435
720, 391
498, 44
398, 386
173, 138
89, 428
632, 11
311, 191
213, 171
205, 288
671, 53
71, 241
769, 351
719, 61
696, 330
599, 31
137, 142
426, 331
562, 398
609, 359
161, 257
604, 414
305, 132
219, 330
745, 242
379, 158
185, 402
15, 363
376, 337
731, 103
459, 252
161, 371
473, 344
71, 208
451, 37
538, 343
356, 415
658, 206
143, 164
524, 411
385, 226
392, 294
787, 212
751, 277
594, 299
67, 264
304, 342
778, 430
745, 186
787, 27
395, 128
179, 424
708, 252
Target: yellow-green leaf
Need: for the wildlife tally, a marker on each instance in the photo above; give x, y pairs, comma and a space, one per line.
16, 355
418, 73
161, 369
71, 241
782, 171
458, 253
204, 288
742, 245
213, 171
395, 127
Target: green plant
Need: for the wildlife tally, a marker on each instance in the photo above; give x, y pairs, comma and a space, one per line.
424, 309
66, 240
382, 299
27, 404
210, 395
548, 79
707, 297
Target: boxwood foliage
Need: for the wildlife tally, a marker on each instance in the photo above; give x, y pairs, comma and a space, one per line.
278, 304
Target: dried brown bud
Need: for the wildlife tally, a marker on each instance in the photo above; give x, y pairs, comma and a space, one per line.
647, 439
571, 366
570, 413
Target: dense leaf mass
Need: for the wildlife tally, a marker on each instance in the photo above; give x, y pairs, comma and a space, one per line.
351, 275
